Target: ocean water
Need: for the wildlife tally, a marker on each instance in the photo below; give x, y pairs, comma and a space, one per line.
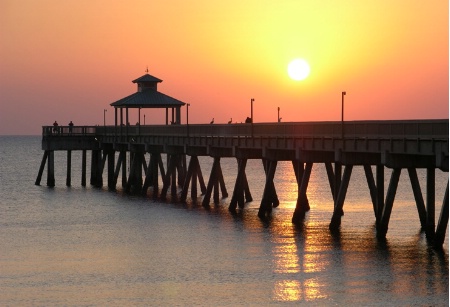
84, 246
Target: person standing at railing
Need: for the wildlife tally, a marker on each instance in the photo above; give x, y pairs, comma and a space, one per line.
70, 127
55, 127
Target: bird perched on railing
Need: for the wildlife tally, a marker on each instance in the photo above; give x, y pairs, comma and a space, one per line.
231, 120
212, 121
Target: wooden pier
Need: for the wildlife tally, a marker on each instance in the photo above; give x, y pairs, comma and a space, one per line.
398, 145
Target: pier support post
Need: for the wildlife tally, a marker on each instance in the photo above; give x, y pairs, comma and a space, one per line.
69, 168
272, 191
151, 175
122, 156
215, 179
124, 170
193, 174
51, 169
269, 195
372, 187
96, 166
331, 179
431, 175
443, 222
380, 193
337, 214
390, 196
83, 168
302, 205
134, 184
420, 204
41, 168
174, 163
111, 173
337, 182
241, 192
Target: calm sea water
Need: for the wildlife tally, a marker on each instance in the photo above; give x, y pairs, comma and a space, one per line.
69, 246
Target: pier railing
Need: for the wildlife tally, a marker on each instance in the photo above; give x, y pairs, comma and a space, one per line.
353, 129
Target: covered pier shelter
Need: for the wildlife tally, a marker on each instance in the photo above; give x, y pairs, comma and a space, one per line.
147, 96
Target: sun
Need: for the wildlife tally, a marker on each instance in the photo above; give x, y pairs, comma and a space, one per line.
298, 69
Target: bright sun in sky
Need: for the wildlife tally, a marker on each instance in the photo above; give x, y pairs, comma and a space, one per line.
298, 69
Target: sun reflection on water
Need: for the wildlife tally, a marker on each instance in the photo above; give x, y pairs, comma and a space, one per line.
287, 290
295, 266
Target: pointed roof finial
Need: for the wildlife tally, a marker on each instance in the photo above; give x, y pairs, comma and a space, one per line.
146, 69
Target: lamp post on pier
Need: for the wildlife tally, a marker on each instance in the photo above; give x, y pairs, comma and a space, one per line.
251, 112
342, 116
104, 117
279, 119
187, 118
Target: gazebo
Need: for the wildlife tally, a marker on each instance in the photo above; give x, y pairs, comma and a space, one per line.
147, 96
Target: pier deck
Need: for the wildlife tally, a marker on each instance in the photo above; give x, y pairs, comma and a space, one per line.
396, 145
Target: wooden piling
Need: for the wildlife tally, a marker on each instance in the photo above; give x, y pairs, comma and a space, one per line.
269, 196
239, 187
390, 196
372, 187
430, 227
439, 237
41, 168
215, 180
134, 184
69, 168
193, 175
124, 169
51, 169
302, 206
331, 178
118, 166
83, 168
380, 192
420, 204
337, 214
111, 173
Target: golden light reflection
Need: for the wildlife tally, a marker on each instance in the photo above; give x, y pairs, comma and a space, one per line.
312, 290
286, 256
287, 290
293, 264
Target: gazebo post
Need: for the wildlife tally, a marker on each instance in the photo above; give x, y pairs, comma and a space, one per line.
127, 121
115, 124
121, 121
167, 116
178, 115
139, 121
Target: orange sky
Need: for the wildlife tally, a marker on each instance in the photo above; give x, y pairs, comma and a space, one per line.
68, 60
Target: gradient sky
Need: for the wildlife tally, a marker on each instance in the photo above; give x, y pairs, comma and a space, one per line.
68, 60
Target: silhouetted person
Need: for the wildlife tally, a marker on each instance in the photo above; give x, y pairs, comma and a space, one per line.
70, 127
55, 127
212, 122
248, 120
231, 120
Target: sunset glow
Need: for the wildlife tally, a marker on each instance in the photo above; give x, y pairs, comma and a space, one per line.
68, 60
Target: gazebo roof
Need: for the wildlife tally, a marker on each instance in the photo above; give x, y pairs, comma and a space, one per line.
147, 78
149, 98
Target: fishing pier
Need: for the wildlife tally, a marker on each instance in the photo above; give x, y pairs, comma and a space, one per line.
382, 148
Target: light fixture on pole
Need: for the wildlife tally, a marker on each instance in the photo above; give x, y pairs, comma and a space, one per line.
104, 117
279, 119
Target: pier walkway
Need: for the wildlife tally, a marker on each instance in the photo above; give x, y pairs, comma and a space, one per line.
394, 145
